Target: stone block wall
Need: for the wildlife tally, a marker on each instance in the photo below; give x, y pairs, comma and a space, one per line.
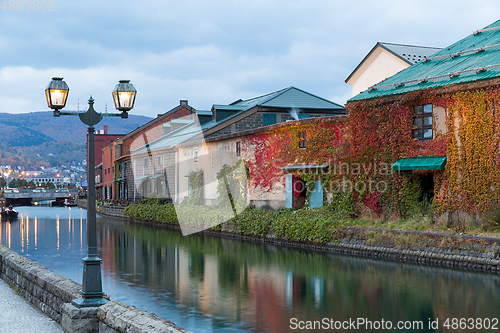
53, 293
112, 211
43, 288
115, 317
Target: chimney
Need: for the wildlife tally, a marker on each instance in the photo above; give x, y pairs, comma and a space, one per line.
105, 129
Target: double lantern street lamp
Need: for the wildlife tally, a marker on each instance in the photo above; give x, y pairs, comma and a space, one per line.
124, 98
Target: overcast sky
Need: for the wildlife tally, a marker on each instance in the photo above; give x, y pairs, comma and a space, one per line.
210, 52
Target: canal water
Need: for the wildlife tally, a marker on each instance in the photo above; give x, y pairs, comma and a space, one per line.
210, 284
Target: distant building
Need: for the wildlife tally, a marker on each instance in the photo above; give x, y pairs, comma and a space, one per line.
277, 107
55, 178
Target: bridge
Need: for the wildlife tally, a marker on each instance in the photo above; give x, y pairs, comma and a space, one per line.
27, 196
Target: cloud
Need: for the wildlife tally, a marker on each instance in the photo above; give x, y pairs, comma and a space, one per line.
211, 52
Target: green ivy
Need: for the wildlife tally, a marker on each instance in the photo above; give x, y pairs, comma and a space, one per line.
195, 181
232, 180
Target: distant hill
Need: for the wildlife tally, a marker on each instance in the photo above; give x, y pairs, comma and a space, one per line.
36, 128
38, 139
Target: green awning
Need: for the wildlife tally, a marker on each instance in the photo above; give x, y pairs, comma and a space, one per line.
420, 163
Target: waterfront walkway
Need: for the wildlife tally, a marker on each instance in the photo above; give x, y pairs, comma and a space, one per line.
18, 315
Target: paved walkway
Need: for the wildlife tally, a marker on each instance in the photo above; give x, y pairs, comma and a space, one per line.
18, 315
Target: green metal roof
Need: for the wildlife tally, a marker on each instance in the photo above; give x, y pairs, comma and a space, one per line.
290, 97
474, 58
420, 163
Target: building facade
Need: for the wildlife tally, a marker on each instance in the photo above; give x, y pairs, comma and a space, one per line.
117, 163
162, 167
437, 123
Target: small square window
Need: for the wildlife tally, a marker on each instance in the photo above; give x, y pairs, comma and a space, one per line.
269, 119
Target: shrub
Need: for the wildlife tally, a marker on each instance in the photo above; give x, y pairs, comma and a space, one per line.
148, 210
306, 225
254, 221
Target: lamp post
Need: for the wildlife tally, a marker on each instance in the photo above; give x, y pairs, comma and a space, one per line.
124, 97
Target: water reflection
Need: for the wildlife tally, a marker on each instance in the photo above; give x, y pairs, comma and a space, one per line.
208, 284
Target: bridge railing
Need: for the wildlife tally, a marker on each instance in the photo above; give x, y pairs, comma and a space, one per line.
39, 190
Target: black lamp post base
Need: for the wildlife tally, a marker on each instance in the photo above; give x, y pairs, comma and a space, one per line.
89, 302
92, 294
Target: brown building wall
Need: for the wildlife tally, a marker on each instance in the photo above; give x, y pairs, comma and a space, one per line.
107, 168
153, 131
101, 141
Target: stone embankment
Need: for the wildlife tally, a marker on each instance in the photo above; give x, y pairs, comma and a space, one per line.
481, 257
438, 249
113, 211
53, 293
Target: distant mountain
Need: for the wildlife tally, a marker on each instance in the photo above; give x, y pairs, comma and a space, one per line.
36, 128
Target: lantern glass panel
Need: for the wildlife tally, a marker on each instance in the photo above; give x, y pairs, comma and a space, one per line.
58, 97
126, 99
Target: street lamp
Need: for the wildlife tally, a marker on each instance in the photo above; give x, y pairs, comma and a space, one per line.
124, 96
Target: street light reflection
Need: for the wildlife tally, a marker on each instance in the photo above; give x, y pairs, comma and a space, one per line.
21, 226
36, 233
57, 231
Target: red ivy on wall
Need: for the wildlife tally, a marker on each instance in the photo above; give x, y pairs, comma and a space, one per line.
280, 147
379, 133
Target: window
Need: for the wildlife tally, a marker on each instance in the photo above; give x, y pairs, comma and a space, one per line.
303, 116
196, 155
238, 148
160, 160
269, 119
302, 140
422, 122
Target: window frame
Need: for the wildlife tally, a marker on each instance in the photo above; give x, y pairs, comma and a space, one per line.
238, 148
267, 121
422, 128
303, 140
